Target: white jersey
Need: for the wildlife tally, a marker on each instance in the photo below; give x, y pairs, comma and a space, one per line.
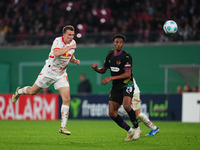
136, 90
55, 67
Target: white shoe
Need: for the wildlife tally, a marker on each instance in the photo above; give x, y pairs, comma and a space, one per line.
15, 96
64, 131
130, 134
137, 133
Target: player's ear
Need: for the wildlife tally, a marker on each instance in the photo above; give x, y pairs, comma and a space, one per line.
64, 33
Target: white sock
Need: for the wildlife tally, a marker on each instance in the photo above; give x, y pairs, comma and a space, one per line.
23, 90
142, 117
64, 115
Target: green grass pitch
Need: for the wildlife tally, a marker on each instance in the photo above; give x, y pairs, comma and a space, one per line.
95, 134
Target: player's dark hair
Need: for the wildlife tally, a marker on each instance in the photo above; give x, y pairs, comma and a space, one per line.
119, 36
68, 27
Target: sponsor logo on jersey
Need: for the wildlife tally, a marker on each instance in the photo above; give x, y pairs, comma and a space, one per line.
114, 69
67, 55
118, 62
128, 65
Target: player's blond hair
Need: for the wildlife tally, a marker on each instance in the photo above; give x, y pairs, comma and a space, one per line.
68, 27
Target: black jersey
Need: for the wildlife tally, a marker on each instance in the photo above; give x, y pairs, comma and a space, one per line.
117, 65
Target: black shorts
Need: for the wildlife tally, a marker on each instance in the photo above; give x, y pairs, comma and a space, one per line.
118, 91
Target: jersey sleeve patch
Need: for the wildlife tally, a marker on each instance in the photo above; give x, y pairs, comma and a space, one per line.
127, 65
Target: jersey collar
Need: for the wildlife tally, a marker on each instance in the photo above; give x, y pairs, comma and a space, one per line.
118, 54
63, 40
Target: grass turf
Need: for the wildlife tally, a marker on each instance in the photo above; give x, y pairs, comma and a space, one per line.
93, 134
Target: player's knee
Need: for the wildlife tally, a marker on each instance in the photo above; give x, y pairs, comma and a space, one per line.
32, 92
112, 114
127, 108
66, 100
141, 117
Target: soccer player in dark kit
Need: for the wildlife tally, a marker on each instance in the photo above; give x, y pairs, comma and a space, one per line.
120, 64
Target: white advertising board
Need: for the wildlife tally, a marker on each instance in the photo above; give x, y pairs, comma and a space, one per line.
191, 107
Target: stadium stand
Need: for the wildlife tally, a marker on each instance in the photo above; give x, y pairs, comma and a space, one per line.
31, 22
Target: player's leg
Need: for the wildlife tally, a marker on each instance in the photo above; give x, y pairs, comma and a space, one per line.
142, 117
129, 110
65, 94
113, 109
30, 90
132, 116
63, 87
113, 113
115, 102
41, 82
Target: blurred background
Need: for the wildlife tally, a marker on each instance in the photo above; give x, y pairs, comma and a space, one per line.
161, 63
166, 68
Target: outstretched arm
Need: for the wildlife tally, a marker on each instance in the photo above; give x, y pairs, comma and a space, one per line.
62, 51
99, 70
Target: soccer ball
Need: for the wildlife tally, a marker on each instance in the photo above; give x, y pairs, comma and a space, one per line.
170, 27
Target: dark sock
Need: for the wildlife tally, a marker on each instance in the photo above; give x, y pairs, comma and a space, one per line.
133, 118
121, 123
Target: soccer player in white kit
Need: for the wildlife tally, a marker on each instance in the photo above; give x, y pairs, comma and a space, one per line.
136, 104
54, 72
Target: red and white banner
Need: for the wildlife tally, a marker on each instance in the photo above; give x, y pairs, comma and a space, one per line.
28, 107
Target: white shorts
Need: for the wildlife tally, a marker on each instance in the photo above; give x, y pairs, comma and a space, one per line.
44, 81
136, 103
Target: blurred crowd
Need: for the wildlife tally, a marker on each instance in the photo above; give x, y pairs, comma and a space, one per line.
186, 88
39, 21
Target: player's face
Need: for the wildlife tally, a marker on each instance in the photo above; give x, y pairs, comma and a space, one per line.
118, 44
68, 36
